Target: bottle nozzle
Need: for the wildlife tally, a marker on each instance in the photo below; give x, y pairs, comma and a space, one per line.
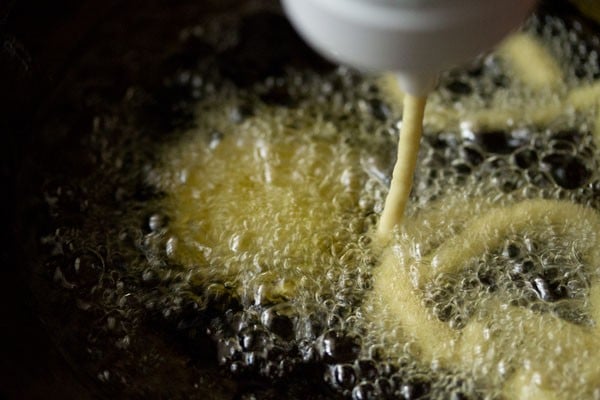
417, 84
417, 38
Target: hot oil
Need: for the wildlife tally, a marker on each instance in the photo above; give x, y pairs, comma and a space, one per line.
249, 232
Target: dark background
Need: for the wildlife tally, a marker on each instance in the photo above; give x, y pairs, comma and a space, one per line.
37, 40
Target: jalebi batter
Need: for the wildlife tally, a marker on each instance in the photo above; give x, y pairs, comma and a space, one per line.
529, 354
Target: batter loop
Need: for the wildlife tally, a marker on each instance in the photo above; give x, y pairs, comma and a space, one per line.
501, 334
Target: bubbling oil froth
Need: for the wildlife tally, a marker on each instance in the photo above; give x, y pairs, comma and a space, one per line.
311, 187
268, 204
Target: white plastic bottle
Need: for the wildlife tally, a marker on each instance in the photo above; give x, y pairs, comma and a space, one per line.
415, 38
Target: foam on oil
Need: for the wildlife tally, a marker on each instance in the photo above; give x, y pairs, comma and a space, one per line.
272, 208
267, 206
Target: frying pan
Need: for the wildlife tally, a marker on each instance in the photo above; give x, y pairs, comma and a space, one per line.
61, 65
